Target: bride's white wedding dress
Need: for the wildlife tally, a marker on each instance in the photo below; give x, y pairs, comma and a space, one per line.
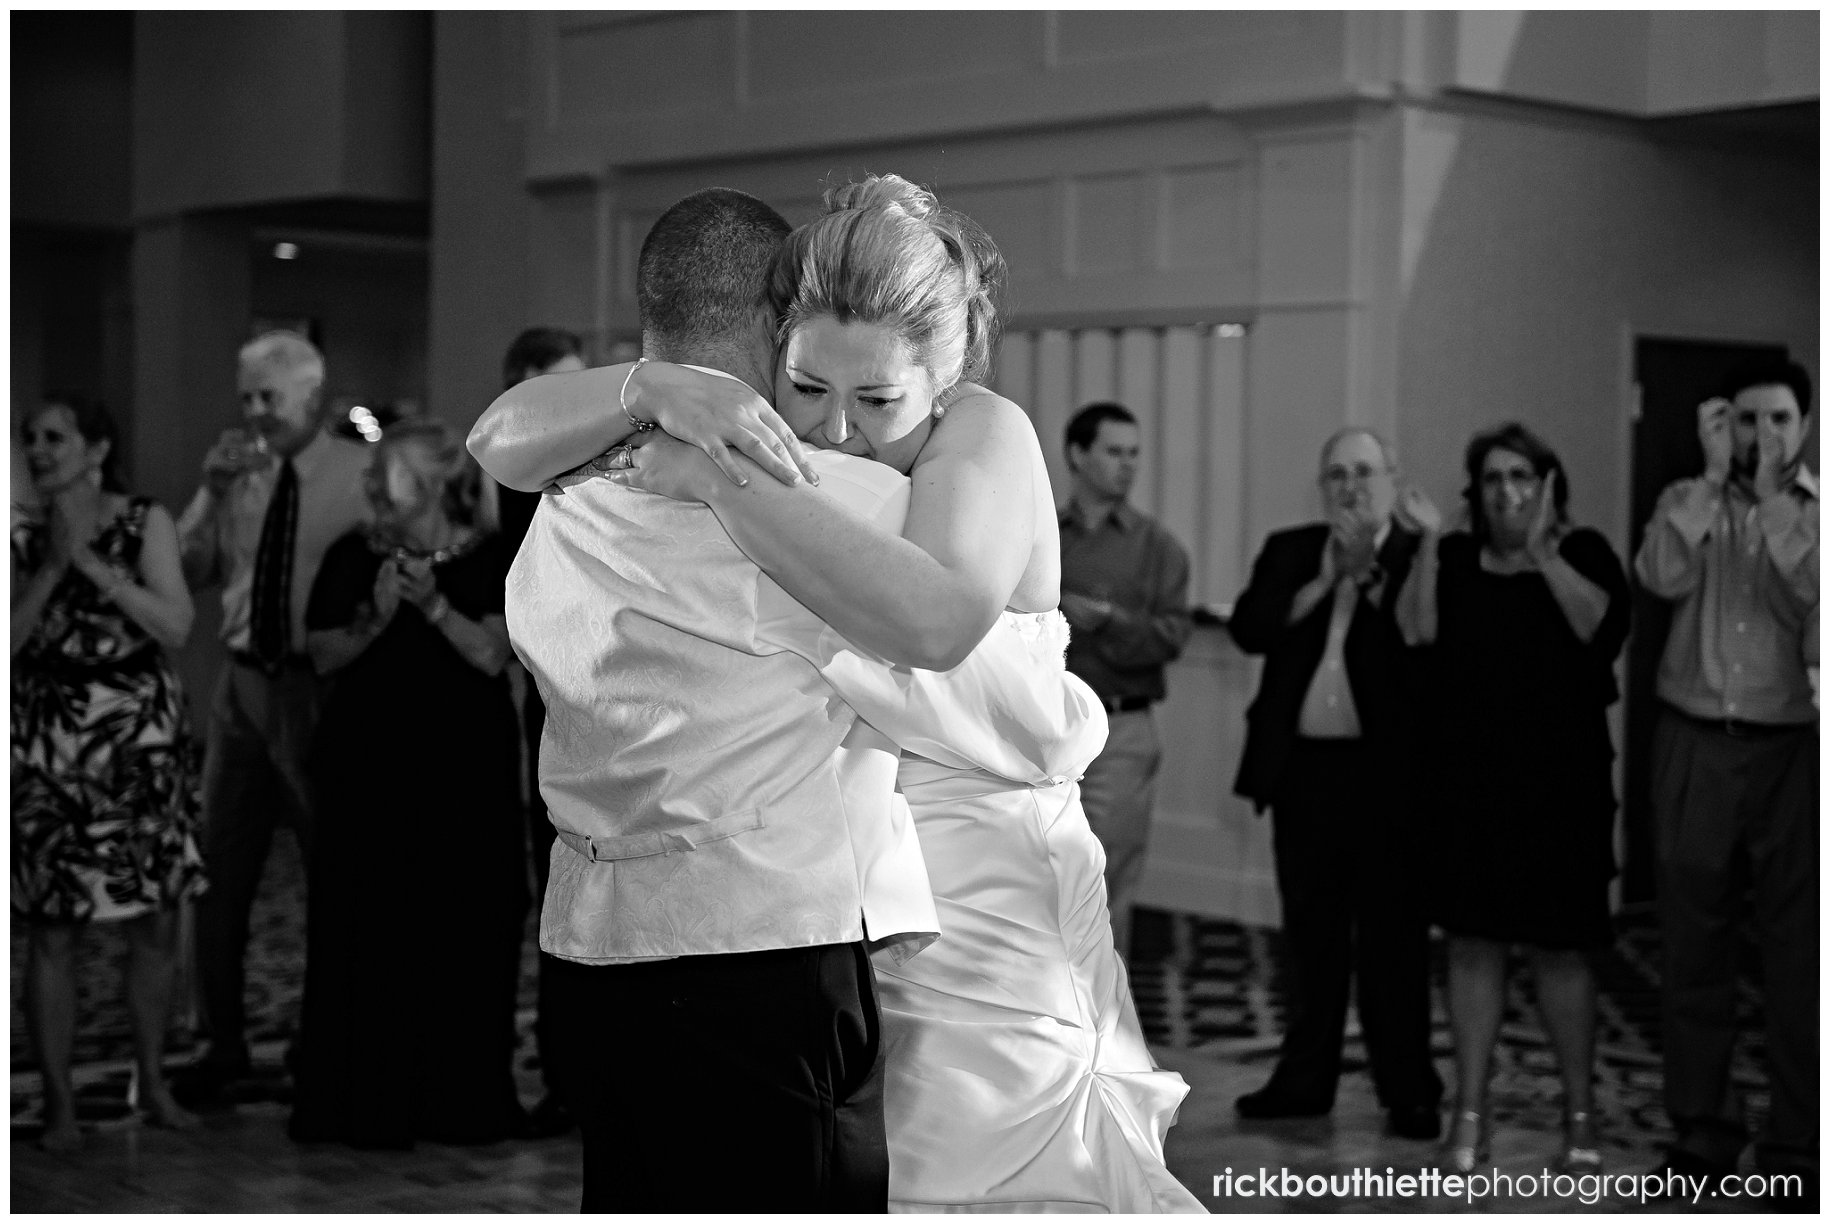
1017, 1075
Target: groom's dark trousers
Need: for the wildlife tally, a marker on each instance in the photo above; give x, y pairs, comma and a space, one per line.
743, 1082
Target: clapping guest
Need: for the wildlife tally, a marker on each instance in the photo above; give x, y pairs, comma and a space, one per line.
104, 766
417, 886
1330, 750
1735, 771
1526, 615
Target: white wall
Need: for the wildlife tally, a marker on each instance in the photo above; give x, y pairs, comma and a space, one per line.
480, 207
254, 108
72, 97
1415, 244
369, 302
1718, 60
1637, 63
636, 89
1537, 250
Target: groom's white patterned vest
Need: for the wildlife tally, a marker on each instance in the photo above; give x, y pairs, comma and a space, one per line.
697, 768
721, 765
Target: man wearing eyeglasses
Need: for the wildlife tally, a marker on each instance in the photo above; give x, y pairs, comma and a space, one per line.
1328, 750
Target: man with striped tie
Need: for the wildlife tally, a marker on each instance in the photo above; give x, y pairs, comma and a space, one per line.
276, 493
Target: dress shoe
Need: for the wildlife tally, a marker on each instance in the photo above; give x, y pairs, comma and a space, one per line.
1414, 1121
1683, 1171
475, 1131
1469, 1145
1581, 1146
1269, 1102
206, 1083
301, 1128
549, 1118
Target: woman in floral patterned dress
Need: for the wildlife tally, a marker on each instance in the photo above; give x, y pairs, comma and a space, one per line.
104, 766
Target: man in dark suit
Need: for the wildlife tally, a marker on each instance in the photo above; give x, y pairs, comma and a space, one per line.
1328, 750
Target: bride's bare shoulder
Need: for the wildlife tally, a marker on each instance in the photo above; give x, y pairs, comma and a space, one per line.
972, 399
977, 418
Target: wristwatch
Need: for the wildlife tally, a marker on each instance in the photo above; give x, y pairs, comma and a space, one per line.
437, 612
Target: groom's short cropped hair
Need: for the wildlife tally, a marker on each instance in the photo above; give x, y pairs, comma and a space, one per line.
704, 269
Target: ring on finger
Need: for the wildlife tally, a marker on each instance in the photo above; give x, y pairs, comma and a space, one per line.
616, 459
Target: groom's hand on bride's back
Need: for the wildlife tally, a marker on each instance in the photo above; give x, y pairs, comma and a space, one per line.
719, 416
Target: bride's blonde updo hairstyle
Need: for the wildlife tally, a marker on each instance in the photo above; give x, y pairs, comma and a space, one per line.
887, 252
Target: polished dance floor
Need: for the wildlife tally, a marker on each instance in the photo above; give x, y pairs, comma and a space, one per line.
1208, 993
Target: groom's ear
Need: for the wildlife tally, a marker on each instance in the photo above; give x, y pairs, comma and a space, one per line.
763, 326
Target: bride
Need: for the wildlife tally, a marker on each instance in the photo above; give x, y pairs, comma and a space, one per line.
1017, 1076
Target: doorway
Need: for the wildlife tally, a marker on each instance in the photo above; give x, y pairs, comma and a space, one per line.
1673, 376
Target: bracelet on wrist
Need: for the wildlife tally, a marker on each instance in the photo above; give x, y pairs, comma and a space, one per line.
622, 397
441, 608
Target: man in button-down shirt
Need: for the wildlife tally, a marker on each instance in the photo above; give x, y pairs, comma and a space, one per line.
263, 712
1124, 591
1328, 749
1734, 766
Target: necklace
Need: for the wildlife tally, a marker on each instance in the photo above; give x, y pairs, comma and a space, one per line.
403, 553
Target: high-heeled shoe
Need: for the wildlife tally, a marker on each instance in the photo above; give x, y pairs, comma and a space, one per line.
1581, 1148
1469, 1143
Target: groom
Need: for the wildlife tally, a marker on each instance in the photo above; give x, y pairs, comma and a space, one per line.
731, 842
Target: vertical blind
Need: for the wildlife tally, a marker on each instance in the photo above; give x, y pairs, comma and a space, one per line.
1186, 386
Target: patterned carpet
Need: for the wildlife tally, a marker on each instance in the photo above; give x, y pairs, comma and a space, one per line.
276, 978
1214, 986
1202, 985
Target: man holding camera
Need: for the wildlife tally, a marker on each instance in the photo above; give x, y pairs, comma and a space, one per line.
1735, 768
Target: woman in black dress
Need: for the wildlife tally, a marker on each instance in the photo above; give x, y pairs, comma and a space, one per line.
105, 801
1527, 616
416, 886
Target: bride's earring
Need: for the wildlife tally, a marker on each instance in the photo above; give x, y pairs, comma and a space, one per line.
942, 400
